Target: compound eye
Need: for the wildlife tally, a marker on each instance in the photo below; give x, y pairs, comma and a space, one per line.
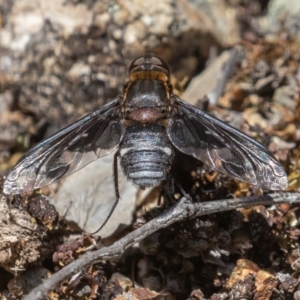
137, 62
159, 62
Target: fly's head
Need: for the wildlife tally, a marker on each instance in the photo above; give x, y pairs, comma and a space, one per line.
149, 66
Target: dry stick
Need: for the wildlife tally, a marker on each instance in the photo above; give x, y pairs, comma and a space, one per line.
182, 210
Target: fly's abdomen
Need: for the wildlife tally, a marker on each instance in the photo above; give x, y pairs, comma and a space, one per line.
146, 154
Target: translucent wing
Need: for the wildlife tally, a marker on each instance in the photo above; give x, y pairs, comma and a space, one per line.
67, 151
223, 147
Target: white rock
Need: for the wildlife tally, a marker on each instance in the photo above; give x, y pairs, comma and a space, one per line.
87, 196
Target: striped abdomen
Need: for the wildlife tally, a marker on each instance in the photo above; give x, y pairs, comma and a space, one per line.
146, 154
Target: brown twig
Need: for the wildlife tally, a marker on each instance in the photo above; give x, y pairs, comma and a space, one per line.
179, 212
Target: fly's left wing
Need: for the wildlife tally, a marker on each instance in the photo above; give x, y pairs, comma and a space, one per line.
67, 151
223, 147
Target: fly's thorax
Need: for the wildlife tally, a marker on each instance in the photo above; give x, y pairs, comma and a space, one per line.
146, 101
146, 154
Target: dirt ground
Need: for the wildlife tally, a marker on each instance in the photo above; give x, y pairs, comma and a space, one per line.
63, 59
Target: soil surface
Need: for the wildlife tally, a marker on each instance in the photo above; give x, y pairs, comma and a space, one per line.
236, 60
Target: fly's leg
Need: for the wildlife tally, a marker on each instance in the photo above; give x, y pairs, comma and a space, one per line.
117, 193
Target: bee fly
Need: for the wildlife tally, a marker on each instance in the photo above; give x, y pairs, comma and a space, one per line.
146, 124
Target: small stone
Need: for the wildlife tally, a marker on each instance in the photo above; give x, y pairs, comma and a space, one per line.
121, 280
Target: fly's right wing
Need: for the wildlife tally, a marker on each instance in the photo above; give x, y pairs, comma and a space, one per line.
223, 147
